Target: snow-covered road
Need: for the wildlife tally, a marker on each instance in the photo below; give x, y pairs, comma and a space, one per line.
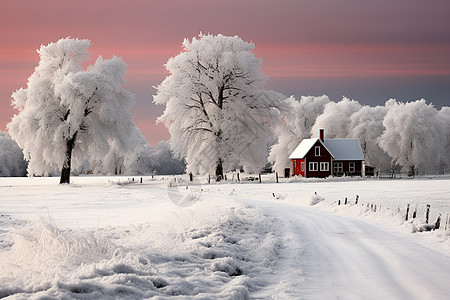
327, 256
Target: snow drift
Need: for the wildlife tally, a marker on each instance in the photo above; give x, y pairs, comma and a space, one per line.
217, 248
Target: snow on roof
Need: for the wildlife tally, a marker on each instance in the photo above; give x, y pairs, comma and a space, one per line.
345, 149
341, 149
303, 148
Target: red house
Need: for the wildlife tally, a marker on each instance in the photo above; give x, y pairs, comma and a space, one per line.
321, 157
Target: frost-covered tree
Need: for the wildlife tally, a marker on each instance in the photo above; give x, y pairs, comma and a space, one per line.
298, 121
411, 136
12, 162
367, 126
149, 160
112, 163
141, 161
443, 122
216, 108
336, 118
166, 164
67, 112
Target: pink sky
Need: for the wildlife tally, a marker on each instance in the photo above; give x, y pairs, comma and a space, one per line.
367, 50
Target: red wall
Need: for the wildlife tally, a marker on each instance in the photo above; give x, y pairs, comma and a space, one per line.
325, 156
296, 167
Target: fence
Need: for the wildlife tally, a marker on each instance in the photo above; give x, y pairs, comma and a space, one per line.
421, 213
413, 172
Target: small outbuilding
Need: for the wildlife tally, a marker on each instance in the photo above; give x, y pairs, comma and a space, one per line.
320, 157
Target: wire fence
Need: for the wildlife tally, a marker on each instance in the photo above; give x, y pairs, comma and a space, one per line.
423, 215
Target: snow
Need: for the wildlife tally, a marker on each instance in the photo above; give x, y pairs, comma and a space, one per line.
303, 148
112, 237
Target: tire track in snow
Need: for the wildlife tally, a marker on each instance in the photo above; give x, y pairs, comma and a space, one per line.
333, 257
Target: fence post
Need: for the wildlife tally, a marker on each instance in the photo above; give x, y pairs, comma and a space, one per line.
141, 179
345, 201
259, 178
357, 197
339, 202
276, 175
427, 215
447, 222
407, 212
438, 222
414, 215
238, 177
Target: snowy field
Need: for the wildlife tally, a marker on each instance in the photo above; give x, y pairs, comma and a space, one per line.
110, 238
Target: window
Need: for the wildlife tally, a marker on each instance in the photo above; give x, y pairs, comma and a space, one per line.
314, 166
302, 166
324, 166
351, 167
317, 151
338, 167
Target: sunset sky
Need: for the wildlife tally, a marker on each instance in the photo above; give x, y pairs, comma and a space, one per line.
369, 51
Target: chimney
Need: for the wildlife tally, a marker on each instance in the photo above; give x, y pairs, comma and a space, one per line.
321, 134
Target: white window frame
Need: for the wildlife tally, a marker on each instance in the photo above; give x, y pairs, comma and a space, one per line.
338, 167
351, 167
324, 166
302, 166
313, 166
317, 151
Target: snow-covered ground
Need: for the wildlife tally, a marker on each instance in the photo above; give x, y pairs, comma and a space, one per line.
109, 237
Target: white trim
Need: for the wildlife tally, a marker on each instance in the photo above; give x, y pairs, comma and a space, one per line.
314, 166
306, 169
316, 150
324, 166
352, 165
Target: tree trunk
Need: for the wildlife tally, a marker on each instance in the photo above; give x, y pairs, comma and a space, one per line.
219, 170
65, 171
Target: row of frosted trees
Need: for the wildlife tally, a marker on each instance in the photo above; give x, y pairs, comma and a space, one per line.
219, 114
397, 135
221, 117
144, 160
